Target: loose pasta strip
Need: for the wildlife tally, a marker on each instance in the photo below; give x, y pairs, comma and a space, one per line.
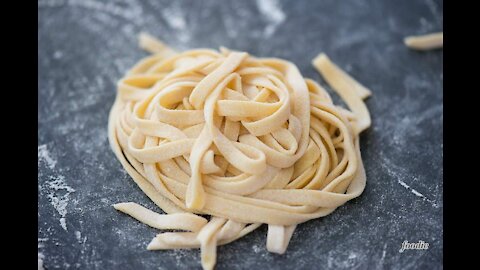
188, 240
155, 46
245, 140
278, 238
425, 42
178, 221
208, 242
351, 91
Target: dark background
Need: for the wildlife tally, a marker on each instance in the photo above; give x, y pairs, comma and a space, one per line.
84, 47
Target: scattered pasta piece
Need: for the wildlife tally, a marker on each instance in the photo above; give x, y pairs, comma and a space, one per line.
425, 42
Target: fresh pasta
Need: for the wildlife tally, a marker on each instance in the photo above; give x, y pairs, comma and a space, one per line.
245, 140
425, 42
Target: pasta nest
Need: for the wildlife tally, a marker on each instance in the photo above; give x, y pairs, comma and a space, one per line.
243, 139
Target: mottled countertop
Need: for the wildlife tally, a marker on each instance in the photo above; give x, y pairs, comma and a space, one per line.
85, 47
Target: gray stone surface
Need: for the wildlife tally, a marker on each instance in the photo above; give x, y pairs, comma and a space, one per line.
86, 46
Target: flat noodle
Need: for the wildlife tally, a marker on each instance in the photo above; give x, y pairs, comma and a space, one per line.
278, 238
425, 42
153, 45
179, 221
348, 88
246, 140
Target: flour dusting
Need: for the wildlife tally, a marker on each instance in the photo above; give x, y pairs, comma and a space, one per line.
40, 261
415, 192
78, 235
425, 26
132, 12
44, 156
433, 8
57, 55
399, 173
41, 240
41, 257
272, 11
50, 3
176, 19
58, 193
127, 13
384, 252
381, 262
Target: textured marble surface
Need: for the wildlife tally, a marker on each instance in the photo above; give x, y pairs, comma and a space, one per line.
86, 46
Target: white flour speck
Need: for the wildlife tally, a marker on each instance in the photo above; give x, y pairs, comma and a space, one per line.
329, 262
40, 254
78, 235
384, 252
415, 192
41, 240
272, 11
57, 54
40, 261
352, 256
50, 3
58, 193
425, 26
44, 156
381, 261
433, 8
175, 18
398, 173
256, 248
128, 13
63, 223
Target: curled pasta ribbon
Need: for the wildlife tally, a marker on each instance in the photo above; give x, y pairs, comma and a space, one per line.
246, 140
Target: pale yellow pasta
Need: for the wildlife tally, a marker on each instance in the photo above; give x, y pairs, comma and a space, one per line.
245, 140
425, 42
